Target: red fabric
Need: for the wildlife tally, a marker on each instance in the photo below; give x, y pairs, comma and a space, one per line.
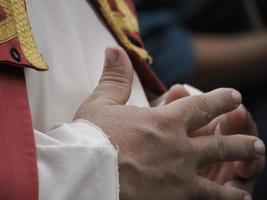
149, 79
6, 57
18, 168
113, 5
136, 36
131, 6
147, 76
2, 14
18, 165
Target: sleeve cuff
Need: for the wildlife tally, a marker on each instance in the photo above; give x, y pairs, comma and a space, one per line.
76, 161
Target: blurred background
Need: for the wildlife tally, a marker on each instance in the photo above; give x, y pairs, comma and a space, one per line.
211, 44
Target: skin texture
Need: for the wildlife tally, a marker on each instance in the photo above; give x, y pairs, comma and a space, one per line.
233, 174
160, 153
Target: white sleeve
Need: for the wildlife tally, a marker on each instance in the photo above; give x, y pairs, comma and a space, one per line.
76, 162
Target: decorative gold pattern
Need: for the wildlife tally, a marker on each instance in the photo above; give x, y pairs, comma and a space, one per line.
7, 26
119, 23
7, 31
17, 25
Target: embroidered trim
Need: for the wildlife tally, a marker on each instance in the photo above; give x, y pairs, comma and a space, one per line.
7, 26
7, 31
123, 20
17, 25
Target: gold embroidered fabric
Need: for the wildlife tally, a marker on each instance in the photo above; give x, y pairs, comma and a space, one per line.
123, 20
7, 26
17, 25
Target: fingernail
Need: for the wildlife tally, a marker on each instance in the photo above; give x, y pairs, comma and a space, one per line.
247, 197
259, 147
237, 97
111, 56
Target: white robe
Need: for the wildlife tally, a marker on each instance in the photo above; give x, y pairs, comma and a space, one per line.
76, 160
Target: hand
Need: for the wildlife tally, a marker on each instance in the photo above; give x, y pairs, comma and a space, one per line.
175, 92
157, 158
235, 174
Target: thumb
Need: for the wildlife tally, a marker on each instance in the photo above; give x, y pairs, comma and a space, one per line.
115, 84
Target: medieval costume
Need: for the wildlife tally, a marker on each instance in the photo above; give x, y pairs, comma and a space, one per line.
49, 156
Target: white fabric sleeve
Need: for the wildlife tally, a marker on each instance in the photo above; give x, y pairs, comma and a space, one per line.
76, 161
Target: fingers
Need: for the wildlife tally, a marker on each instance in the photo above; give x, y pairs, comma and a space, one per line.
237, 122
248, 170
214, 191
197, 111
116, 81
245, 185
245, 174
176, 92
245, 170
214, 149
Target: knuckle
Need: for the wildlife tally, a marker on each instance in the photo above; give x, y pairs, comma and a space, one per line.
187, 148
118, 77
153, 117
220, 145
194, 149
160, 120
152, 138
150, 129
204, 107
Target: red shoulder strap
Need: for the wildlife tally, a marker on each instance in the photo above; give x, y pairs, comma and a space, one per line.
18, 165
121, 19
18, 170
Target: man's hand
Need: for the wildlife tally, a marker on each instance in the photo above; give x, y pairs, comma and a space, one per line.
157, 158
235, 174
